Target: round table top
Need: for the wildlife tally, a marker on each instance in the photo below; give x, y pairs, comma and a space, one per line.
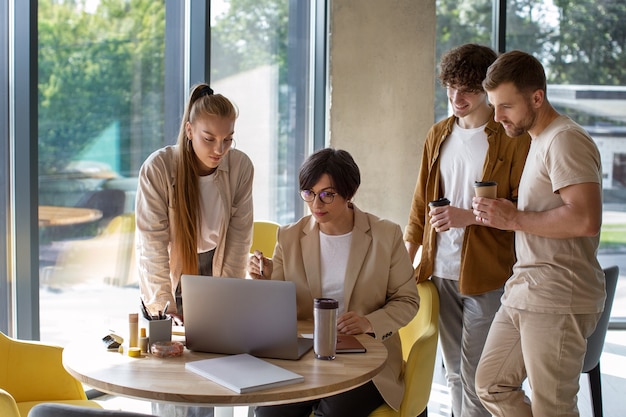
166, 379
62, 216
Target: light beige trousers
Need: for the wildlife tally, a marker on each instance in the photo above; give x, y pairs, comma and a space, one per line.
548, 349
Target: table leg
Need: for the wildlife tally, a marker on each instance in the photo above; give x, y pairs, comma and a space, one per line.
176, 410
224, 412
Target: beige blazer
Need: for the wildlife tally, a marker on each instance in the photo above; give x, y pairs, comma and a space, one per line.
379, 283
159, 265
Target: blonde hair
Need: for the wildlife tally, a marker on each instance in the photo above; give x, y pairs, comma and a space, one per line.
202, 102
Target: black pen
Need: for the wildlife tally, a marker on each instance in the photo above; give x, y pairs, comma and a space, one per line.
144, 310
165, 309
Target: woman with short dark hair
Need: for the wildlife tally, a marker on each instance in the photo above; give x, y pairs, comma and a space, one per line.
341, 252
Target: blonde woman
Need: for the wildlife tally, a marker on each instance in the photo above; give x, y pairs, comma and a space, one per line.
194, 204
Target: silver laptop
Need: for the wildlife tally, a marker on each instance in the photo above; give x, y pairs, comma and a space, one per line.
233, 315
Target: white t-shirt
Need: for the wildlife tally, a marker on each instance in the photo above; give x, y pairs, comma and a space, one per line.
211, 214
334, 251
462, 157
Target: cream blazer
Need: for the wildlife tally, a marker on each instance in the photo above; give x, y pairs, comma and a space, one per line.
159, 266
379, 283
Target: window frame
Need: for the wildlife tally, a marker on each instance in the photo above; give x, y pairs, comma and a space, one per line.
19, 316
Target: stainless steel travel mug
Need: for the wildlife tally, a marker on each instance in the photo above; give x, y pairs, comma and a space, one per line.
325, 327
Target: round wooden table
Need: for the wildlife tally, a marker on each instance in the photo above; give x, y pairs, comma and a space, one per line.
166, 380
63, 216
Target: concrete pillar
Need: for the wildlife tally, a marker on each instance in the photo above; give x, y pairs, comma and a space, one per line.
382, 78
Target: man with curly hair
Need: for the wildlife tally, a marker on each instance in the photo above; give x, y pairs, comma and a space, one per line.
468, 262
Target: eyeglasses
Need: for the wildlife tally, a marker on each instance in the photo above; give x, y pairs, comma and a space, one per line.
325, 197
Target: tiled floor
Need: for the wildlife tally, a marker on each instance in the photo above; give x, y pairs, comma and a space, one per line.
613, 366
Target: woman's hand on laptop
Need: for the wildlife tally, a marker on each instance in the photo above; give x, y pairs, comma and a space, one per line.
260, 267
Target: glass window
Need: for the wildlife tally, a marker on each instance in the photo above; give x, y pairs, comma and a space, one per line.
260, 58
581, 46
101, 110
459, 23
102, 106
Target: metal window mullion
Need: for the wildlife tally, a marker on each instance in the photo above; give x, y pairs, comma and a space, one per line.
23, 212
499, 25
174, 94
197, 47
5, 305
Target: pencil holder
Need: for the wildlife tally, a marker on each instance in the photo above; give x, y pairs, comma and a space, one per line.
159, 330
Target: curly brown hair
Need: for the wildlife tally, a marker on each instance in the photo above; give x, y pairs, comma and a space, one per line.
466, 66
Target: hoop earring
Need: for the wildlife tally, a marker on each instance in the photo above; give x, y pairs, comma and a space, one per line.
234, 145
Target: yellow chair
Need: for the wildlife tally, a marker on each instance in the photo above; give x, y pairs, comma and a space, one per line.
419, 348
33, 373
264, 237
8, 406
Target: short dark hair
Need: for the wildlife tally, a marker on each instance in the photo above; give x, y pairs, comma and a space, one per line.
517, 67
466, 66
338, 164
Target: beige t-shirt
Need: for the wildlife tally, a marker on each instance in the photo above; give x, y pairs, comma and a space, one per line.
556, 275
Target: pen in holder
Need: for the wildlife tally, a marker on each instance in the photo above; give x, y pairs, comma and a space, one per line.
160, 330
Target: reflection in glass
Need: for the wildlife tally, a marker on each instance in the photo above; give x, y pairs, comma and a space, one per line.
101, 83
260, 59
101, 113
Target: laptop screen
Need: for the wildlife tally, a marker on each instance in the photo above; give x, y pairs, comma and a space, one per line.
232, 316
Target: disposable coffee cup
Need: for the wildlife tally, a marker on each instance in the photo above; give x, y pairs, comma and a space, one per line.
487, 189
441, 202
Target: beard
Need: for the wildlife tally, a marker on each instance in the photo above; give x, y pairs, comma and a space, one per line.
518, 129
514, 131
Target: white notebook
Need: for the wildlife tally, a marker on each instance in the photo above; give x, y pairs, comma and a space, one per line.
243, 373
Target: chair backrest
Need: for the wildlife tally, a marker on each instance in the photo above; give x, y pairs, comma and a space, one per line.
595, 342
264, 237
419, 348
8, 407
33, 371
109, 201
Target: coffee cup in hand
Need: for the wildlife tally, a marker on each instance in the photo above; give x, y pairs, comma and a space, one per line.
439, 203
487, 189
